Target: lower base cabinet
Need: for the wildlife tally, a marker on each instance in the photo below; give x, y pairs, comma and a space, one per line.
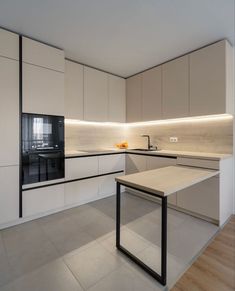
81, 191
9, 194
202, 198
42, 200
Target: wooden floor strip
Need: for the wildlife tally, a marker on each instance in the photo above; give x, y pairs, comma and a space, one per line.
214, 270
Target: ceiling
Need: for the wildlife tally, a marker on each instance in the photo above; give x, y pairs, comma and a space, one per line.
121, 36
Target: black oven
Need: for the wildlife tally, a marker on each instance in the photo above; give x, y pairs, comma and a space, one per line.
42, 148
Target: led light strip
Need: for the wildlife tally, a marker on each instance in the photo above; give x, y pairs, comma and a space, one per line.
154, 122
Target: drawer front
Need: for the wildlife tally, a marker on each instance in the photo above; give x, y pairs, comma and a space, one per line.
81, 191
41, 200
81, 167
111, 163
159, 162
209, 164
107, 185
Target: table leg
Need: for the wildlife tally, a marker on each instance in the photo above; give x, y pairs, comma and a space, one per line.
164, 241
118, 214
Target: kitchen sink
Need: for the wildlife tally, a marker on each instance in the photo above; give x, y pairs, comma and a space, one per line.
145, 150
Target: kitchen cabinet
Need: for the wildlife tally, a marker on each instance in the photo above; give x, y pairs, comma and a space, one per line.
160, 162
135, 163
42, 200
175, 88
73, 90
43, 90
107, 185
117, 99
9, 194
95, 95
9, 112
42, 55
79, 192
81, 167
211, 80
134, 98
202, 198
111, 163
9, 44
152, 94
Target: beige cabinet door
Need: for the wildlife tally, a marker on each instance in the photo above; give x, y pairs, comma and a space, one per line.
9, 112
202, 198
95, 95
175, 88
9, 194
117, 99
43, 90
160, 162
134, 98
40, 54
111, 163
208, 80
9, 44
152, 94
135, 163
73, 90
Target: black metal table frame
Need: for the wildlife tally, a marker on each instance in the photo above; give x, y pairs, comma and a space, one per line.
162, 278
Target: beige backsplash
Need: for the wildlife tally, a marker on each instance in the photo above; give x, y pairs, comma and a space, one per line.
204, 136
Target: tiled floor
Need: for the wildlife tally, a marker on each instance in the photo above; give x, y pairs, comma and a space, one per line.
75, 249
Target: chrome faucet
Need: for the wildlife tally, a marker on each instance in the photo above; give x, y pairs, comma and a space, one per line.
150, 146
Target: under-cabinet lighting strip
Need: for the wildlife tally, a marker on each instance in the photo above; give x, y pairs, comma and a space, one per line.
154, 122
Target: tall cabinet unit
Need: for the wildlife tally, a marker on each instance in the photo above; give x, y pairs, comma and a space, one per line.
43, 78
134, 98
9, 126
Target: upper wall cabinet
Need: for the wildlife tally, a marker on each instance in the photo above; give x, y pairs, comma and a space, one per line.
152, 94
117, 99
43, 55
73, 90
95, 95
43, 78
134, 98
211, 80
175, 91
9, 44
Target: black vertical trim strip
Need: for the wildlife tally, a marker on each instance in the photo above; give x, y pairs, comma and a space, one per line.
20, 126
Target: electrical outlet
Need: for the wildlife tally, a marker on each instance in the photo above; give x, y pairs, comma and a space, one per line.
173, 139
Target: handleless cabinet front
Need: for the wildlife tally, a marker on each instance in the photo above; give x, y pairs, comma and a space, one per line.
134, 98
81, 167
95, 95
9, 44
43, 90
111, 163
135, 163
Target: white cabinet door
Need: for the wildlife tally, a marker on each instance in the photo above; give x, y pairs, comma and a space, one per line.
117, 99
107, 185
208, 80
111, 163
135, 163
42, 55
9, 112
76, 168
152, 94
95, 95
202, 198
160, 162
9, 194
43, 90
175, 88
42, 200
79, 192
9, 44
134, 98
73, 90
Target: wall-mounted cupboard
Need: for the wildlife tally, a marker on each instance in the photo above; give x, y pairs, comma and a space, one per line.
43, 78
199, 83
93, 95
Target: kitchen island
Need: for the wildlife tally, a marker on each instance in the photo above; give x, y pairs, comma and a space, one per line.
158, 183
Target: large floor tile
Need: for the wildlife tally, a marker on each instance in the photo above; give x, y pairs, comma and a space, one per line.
92, 264
5, 269
51, 277
122, 279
